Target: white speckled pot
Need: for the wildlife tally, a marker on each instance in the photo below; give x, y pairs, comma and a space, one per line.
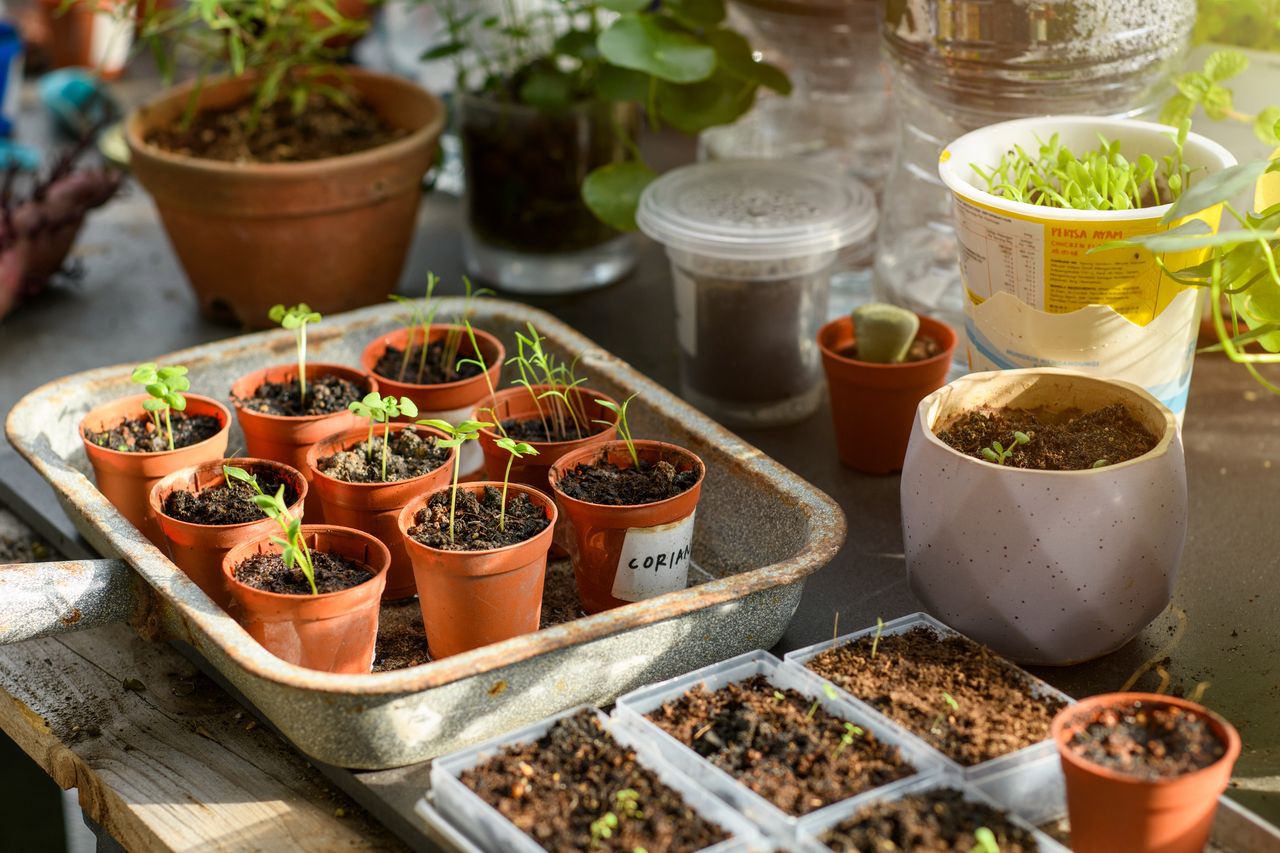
1045, 567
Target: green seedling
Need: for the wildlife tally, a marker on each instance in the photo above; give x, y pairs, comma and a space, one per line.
624, 429
1101, 463
458, 435
517, 450
453, 338
295, 319
538, 367
884, 333
603, 827
830, 694
380, 410
164, 386
949, 704
846, 739
628, 801
984, 841
293, 545
479, 362
779, 696
875, 643
998, 454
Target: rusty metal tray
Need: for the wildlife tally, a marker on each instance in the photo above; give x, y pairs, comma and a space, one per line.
761, 531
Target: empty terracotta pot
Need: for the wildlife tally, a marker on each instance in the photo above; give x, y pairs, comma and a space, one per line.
198, 549
872, 405
1112, 811
334, 631
470, 599
448, 401
126, 479
623, 554
375, 507
87, 34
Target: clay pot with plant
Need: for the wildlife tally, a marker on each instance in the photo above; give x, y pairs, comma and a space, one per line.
295, 176
479, 553
1144, 771
880, 363
631, 506
364, 478
204, 512
134, 442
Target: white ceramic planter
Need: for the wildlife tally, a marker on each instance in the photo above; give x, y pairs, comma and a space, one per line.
1045, 567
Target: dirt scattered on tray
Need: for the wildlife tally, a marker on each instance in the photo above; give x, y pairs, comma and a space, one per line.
139, 435
409, 454
607, 484
940, 820
333, 573
227, 503
19, 543
1148, 740
325, 395
1071, 440
431, 370
478, 523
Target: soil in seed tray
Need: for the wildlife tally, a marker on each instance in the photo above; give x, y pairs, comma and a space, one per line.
921, 349
227, 503
409, 455
434, 370
1149, 741
1070, 440
768, 740
333, 573
606, 483
939, 820
995, 714
139, 435
477, 522
535, 430
324, 129
325, 395
556, 788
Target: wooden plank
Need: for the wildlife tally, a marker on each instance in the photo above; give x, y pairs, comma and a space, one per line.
163, 758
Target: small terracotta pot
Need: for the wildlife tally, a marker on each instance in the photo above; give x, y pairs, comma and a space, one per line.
87, 35
287, 439
375, 507
873, 405
127, 478
332, 632
623, 554
448, 401
198, 549
470, 599
1112, 811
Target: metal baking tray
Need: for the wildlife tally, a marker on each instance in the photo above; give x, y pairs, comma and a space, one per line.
761, 531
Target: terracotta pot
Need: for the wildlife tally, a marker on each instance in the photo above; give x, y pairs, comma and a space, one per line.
333, 632
623, 554
1112, 811
87, 35
287, 439
198, 549
375, 507
448, 401
470, 599
126, 479
331, 232
872, 405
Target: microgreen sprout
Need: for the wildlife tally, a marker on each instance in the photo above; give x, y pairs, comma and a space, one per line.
295, 319
778, 696
603, 827
624, 429
293, 545
949, 704
517, 450
479, 362
628, 800
846, 739
998, 454
984, 841
1101, 463
380, 410
537, 366
875, 643
164, 386
453, 338
458, 435
813, 709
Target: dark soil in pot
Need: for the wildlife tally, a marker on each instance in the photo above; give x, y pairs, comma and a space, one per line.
768, 740
939, 820
333, 574
433, 371
606, 483
1069, 440
139, 435
325, 395
535, 430
921, 349
477, 523
227, 503
1148, 741
553, 789
996, 713
409, 455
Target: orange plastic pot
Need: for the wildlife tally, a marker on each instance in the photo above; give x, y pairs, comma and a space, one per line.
198, 549
448, 401
873, 405
623, 554
127, 478
375, 507
332, 632
1112, 811
287, 439
470, 599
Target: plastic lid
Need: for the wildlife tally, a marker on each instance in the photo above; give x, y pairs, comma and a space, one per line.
756, 210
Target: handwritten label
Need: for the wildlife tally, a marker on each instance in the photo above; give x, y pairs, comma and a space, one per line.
654, 560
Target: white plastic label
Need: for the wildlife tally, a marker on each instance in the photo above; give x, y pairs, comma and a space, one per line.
654, 560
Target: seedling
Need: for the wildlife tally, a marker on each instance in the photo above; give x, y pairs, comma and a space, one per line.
458, 435
624, 429
537, 366
846, 740
517, 450
984, 841
293, 545
779, 696
380, 410
479, 362
830, 693
628, 800
1101, 463
453, 338
603, 828
875, 643
296, 319
998, 454
165, 386
949, 704
884, 333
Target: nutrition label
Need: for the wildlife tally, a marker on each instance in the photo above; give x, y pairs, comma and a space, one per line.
1000, 254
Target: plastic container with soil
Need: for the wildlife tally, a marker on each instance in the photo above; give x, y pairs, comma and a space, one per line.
374, 505
1016, 716
875, 758
486, 826
471, 598
202, 518
453, 396
126, 477
331, 631
629, 551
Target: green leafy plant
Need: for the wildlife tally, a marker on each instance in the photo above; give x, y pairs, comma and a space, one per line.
846, 739
1204, 89
624, 429
295, 319
380, 410
998, 454
164, 386
294, 550
1247, 23
984, 841
458, 436
539, 367
516, 450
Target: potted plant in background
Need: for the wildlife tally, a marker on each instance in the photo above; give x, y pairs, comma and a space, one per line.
293, 176
550, 96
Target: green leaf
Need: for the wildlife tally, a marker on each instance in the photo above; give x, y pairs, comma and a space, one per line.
1193, 85
1217, 102
612, 192
1216, 188
547, 88
696, 13
694, 107
579, 44
621, 84
1266, 126
442, 51
644, 43
735, 57
153, 405
176, 401
623, 5
1225, 64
